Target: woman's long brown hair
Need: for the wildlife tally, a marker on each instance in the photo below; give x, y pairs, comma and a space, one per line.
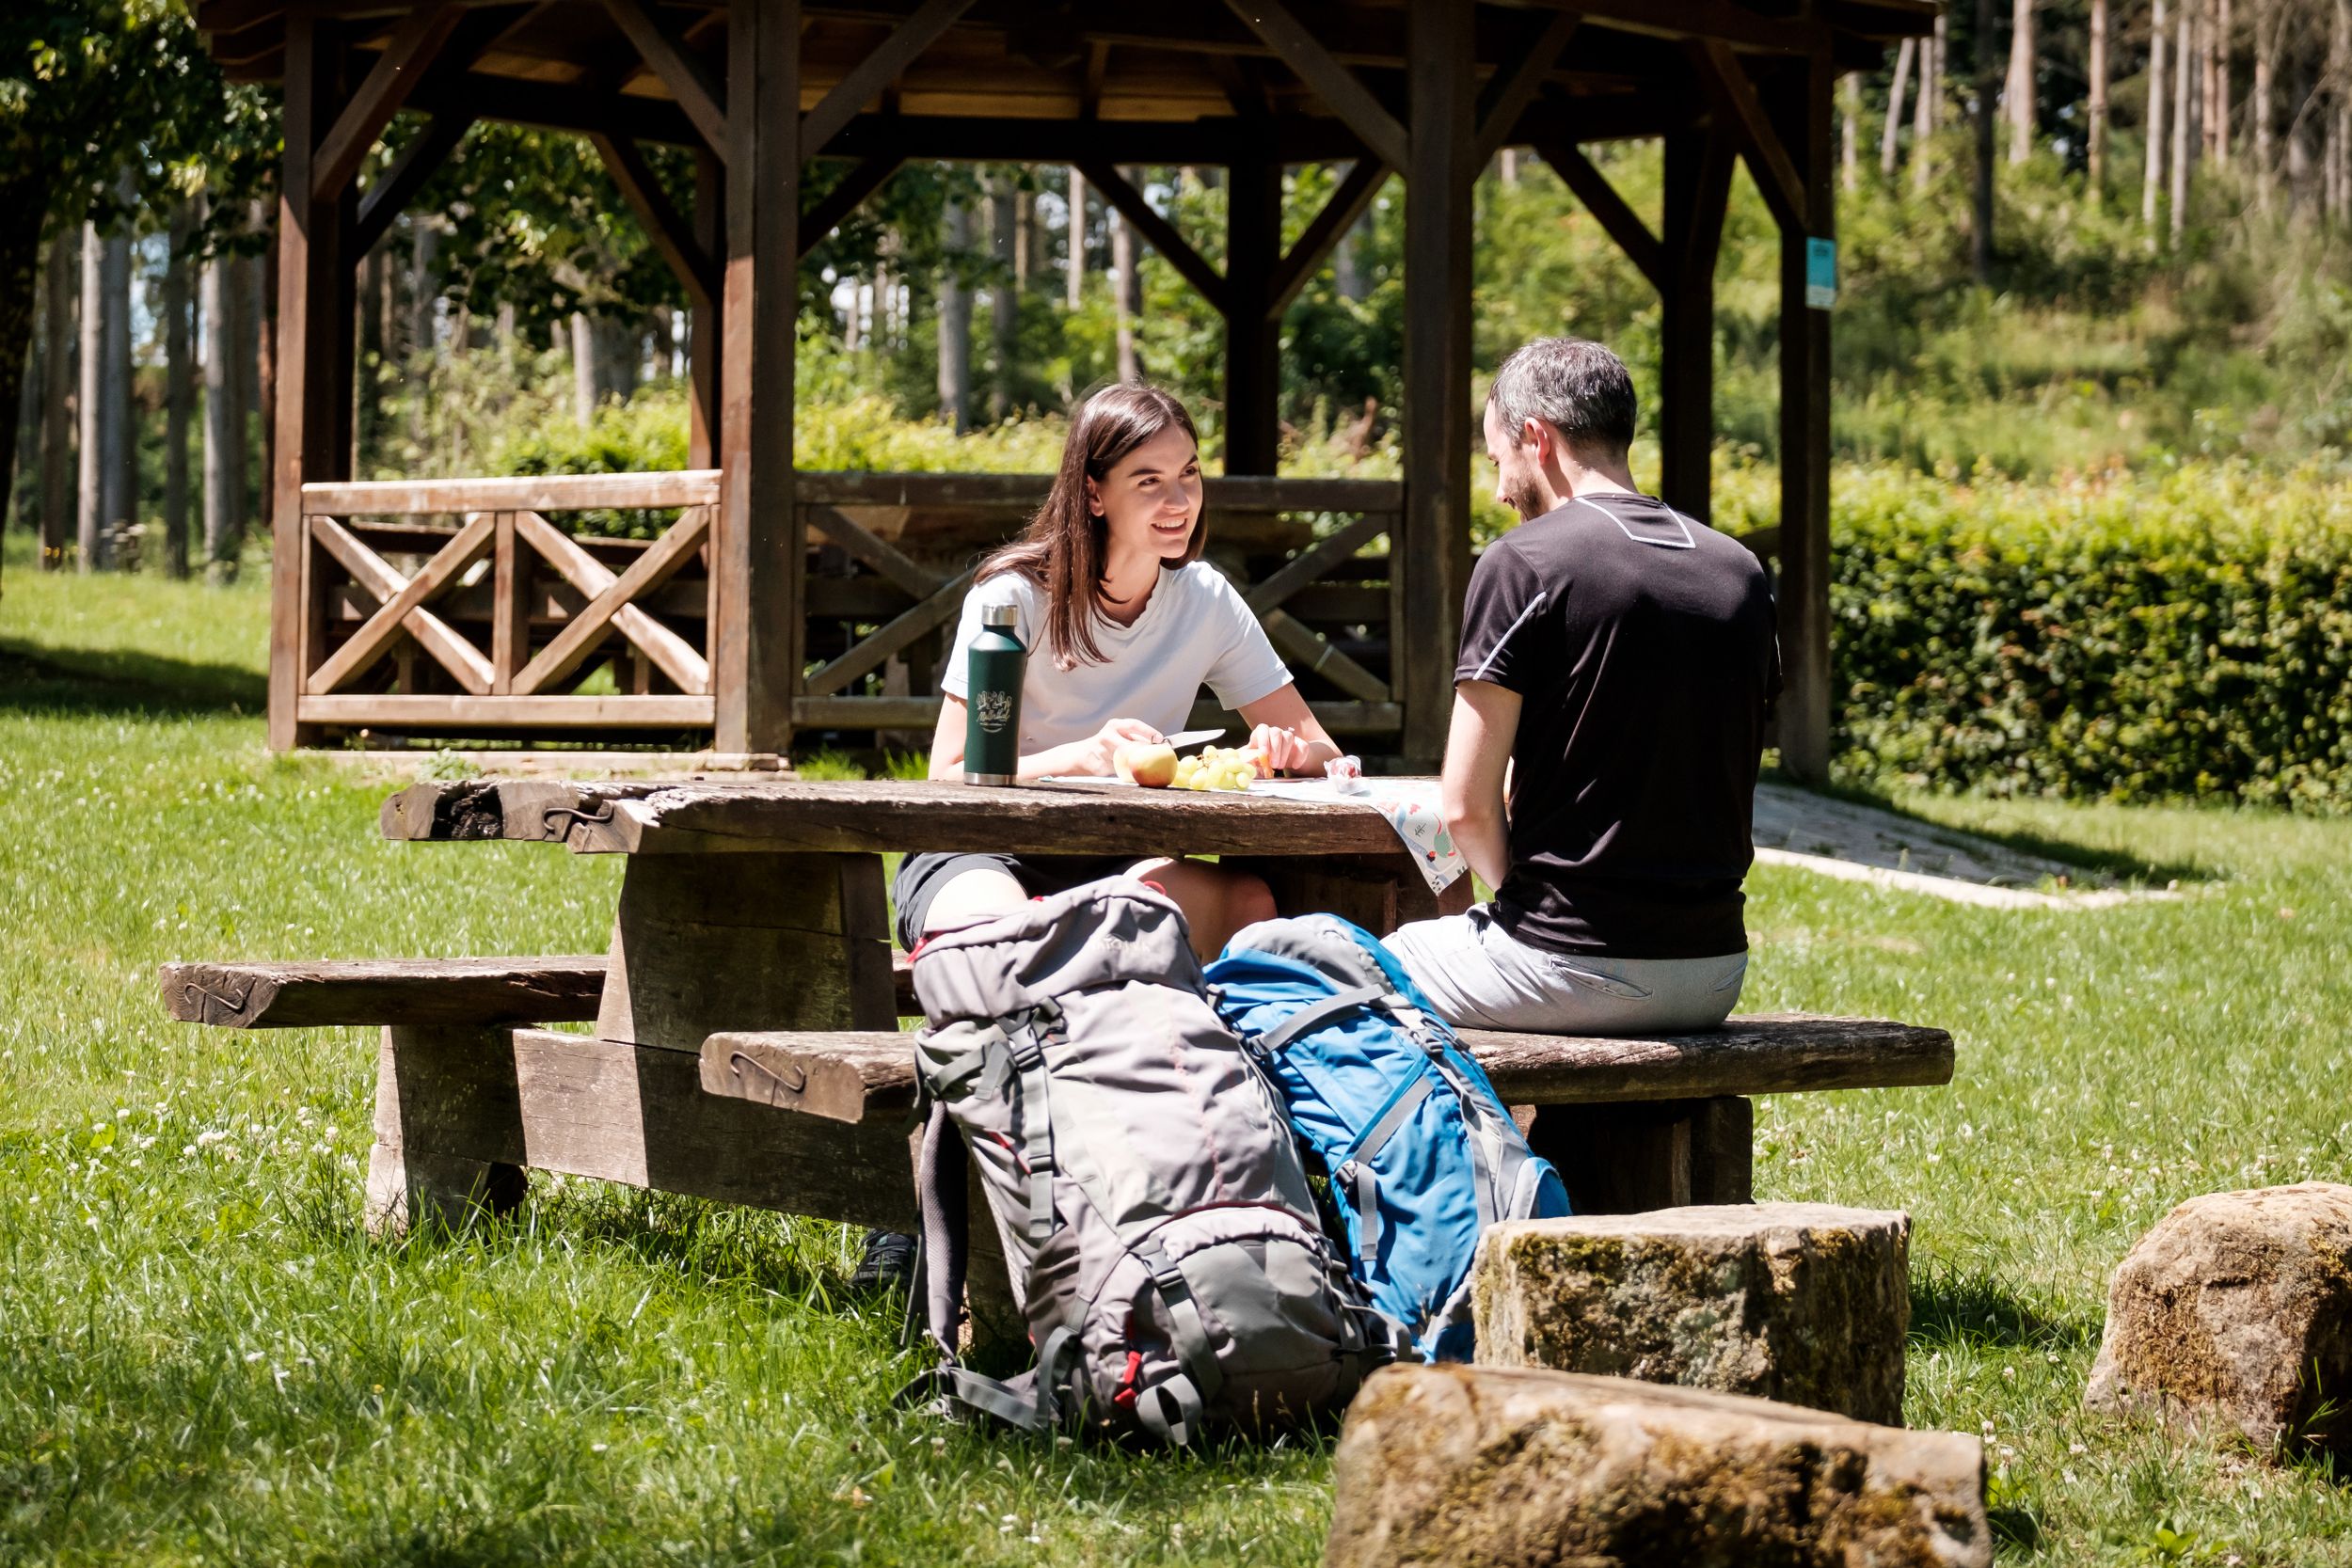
1063, 549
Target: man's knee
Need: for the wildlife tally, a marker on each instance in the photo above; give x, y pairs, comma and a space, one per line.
1248, 901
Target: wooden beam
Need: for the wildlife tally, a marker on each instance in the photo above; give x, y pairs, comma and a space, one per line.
758, 559
1337, 85
870, 654
1592, 187
1326, 229
411, 52
484, 715
917, 579
403, 603
866, 80
702, 349
344, 992
1726, 83
1432, 559
397, 186
510, 608
1513, 86
866, 177
1317, 559
1319, 656
1161, 234
701, 97
671, 234
1698, 181
1803, 116
526, 493
1253, 339
611, 601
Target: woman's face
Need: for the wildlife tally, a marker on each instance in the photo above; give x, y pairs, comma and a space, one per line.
1151, 500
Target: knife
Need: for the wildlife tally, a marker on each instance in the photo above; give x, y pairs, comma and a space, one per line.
1193, 738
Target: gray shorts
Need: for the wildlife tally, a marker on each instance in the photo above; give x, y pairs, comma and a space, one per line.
1480, 976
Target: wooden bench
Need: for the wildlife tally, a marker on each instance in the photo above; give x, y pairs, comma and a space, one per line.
468, 1096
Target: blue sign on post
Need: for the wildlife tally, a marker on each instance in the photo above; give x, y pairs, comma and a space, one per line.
1820, 274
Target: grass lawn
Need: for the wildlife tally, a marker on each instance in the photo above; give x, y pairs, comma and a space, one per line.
202, 1358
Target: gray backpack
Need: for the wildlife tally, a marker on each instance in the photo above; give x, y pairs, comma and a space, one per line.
1155, 1215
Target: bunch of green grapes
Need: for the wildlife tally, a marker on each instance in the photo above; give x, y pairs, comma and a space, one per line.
1220, 767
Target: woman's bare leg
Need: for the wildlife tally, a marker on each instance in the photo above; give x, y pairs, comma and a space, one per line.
1216, 902
972, 897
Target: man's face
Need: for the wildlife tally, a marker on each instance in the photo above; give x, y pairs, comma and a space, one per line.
1516, 485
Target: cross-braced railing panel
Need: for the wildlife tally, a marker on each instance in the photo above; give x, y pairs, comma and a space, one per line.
515, 619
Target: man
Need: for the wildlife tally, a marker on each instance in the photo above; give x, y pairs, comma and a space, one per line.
1618, 661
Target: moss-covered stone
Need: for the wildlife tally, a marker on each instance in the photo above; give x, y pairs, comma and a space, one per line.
2235, 1313
1490, 1467
1800, 1302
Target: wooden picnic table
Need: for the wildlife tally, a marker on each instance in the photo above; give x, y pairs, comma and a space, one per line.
762, 908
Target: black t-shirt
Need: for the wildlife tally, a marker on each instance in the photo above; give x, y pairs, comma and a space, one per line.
1644, 646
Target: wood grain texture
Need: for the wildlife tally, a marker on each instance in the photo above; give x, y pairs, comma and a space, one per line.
406, 1185
1628, 1159
530, 493
489, 715
871, 1073
548, 988
636, 1115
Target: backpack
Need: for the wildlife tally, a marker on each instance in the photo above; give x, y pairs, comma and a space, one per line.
1421, 1152
1157, 1221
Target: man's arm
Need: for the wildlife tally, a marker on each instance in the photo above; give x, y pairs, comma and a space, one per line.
1477, 758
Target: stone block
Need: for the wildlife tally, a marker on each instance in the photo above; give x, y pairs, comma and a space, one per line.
2235, 1313
1492, 1467
1799, 1302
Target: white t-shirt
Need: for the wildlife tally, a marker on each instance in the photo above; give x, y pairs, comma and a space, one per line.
1195, 629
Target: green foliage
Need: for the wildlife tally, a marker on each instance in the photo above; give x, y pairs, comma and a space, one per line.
2186, 633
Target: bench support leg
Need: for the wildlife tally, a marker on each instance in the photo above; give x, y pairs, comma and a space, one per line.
1628, 1157
411, 1180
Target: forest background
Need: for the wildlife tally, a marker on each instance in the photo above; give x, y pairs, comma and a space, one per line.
2094, 524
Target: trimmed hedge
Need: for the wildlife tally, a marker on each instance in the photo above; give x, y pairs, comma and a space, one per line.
2148, 637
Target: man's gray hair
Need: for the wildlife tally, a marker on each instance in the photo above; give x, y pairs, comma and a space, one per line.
1573, 384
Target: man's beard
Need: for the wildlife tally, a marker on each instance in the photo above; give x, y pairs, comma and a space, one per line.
1526, 498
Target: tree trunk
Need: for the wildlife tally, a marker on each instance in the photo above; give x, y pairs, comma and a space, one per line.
2183, 100
1003, 223
25, 192
955, 320
2300, 195
1849, 132
179, 393
1075, 243
22, 453
2260, 107
2018, 91
583, 370
105, 399
224, 423
424, 292
2340, 109
2096, 130
2217, 95
1929, 112
1510, 162
59, 274
1988, 87
1123, 297
1890, 136
367, 372
2151, 172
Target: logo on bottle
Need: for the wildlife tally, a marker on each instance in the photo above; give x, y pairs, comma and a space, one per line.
994, 709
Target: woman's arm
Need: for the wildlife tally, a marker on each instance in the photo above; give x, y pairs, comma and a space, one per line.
1281, 726
1091, 755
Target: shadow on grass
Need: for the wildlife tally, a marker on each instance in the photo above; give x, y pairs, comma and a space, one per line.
1951, 1307
2105, 863
34, 680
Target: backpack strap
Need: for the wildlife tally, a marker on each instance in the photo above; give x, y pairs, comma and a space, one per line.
1025, 1052
942, 1187
1316, 1014
1355, 1172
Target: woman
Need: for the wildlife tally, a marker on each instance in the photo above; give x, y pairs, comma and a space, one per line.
1125, 622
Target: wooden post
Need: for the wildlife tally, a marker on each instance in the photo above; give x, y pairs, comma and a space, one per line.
1633, 1156
702, 347
313, 360
1698, 179
1253, 339
1438, 176
1799, 105
755, 643
412, 1178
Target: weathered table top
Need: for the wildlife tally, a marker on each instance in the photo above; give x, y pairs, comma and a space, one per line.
843, 816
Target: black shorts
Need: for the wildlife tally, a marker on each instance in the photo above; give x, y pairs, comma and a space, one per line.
921, 876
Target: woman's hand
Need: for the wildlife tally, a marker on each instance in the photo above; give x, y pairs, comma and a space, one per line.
1094, 753
1286, 750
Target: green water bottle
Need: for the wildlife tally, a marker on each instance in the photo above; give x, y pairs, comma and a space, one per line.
991, 715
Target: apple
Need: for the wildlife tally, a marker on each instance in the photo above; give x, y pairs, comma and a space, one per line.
1153, 767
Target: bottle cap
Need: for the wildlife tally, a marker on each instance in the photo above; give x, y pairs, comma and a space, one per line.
1001, 615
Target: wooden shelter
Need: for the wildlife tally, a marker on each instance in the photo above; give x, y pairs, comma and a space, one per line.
780, 602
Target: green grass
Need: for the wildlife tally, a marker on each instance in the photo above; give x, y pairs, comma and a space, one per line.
202, 1358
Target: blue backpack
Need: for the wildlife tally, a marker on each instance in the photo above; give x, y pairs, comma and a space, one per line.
1421, 1152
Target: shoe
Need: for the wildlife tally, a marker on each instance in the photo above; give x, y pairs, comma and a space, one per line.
889, 1261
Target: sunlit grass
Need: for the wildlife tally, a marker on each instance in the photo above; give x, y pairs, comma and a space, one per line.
202, 1359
